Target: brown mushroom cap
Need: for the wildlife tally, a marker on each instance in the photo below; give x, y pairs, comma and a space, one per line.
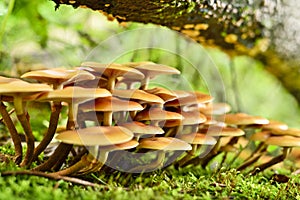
96, 136
260, 136
122, 146
274, 125
222, 131
58, 75
157, 114
22, 88
284, 141
291, 131
244, 119
194, 98
138, 95
108, 104
141, 128
189, 118
164, 143
152, 69
113, 70
7, 80
74, 94
215, 109
198, 138
163, 93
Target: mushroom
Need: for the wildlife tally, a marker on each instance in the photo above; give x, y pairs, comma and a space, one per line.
100, 141
195, 139
108, 106
72, 95
150, 70
215, 109
112, 71
18, 90
243, 119
215, 131
162, 145
287, 142
163, 93
139, 129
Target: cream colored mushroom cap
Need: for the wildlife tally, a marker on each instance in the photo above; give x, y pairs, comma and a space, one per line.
216, 109
189, 118
74, 94
139, 128
193, 98
122, 146
260, 136
153, 69
284, 141
198, 138
114, 70
96, 136
138, 95
290, 131
222, 131
4, 79
58, 75
108, 104
157, 114
244, 119
275, 125
164, 143
163, 93
22, 88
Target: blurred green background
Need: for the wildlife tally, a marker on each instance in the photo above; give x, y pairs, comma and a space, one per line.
33, 35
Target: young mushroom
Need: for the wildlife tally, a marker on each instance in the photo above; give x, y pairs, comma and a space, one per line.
161, 145
100, 141
18, 90
287, 142
112, 71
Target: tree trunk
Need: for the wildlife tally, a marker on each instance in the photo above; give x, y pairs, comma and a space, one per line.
267, 30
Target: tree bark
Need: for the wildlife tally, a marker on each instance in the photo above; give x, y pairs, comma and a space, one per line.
263, 29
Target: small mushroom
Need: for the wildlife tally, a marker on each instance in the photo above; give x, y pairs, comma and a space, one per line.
215, 109
196, 140
163, 93
243, 119
287, 142
100, 141
19, 90
150, 70
112, 71
162, 145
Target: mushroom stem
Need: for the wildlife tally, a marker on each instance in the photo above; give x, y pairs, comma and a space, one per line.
18, 103
111, 83
13, 133
188, 156
278, 159
158, 163
145, 83
107, 118
56, 109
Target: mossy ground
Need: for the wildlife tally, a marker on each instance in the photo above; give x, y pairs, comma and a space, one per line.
186, 183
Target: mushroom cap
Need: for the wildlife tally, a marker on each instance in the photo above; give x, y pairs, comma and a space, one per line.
151, 69
164, 143
96, 136
74, 94
139, 128
291, 131
275, 125
222, 131
198, 138
110, 104
215, 109
244, 119
113, 70
163, 93
193, 98
4, 79
189, 118
138, 95
122, 146
283, 141
58, 75
22, 88
157, 114
260, 136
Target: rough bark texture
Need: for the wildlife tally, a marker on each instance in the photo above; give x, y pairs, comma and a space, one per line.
265, 29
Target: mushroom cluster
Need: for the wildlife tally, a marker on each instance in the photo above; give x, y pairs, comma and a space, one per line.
113, 108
